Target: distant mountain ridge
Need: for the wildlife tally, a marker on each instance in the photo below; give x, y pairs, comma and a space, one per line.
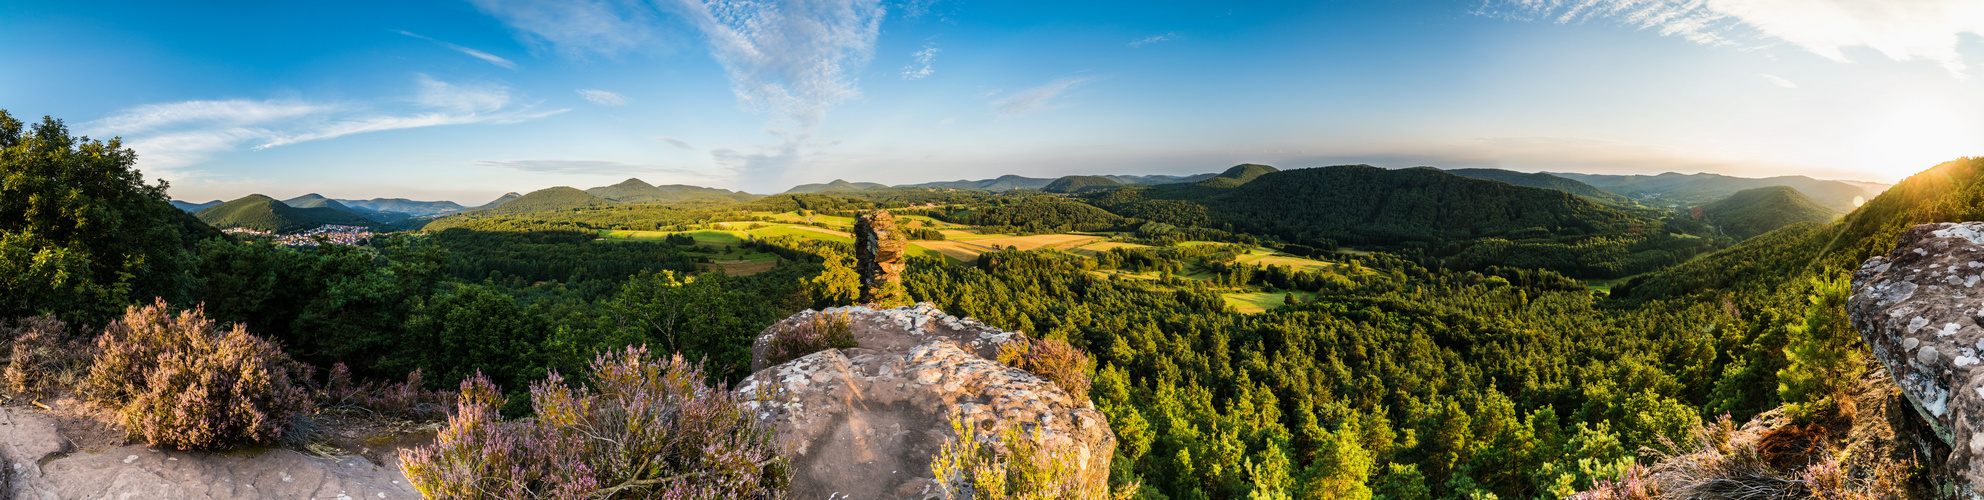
263, 213
1238, 175
1543, 180
1079, 183
836, 185
194, 208
1687, 190
638, 191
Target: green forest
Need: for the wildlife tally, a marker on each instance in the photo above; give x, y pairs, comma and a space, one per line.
1441, 347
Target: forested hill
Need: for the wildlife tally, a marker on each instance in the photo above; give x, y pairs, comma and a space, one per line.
550, 199
638, 191
1688, 190
263, 213
1543, 180
1752, 212
1003, 183
1950, 192
836, 185
1239, 174
1078, 183
499, 201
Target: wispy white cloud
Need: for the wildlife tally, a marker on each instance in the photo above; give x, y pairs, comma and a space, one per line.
1900, 30
575, 27
485, 56
603, 97
172, 136
1778, 80
1153, 39
921, 68
599, 167
1038, 98
788, 59
676, 142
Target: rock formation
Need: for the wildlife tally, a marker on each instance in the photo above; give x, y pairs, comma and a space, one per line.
864, 422
880, 253
45, 464
1918, 309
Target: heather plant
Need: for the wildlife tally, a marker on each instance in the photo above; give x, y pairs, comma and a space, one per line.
1069, 368
44, 357
1722, 465
644, 428
183, 382
407, 400
817, 333
1012, 465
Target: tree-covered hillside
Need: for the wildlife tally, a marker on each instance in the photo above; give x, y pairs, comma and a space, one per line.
1752, 212
637, 191
1079, 183
1689, 190
1239, 174
262, 213
1474, 223
549, 200
1543, 180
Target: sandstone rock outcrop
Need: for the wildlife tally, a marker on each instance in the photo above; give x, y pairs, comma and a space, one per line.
44, 464
880, 253
1921, 312
864, 422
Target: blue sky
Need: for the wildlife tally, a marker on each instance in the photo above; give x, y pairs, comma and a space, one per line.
467, 100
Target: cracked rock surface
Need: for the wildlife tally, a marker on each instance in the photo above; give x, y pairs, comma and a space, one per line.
1920, 309
43, 464
864, 422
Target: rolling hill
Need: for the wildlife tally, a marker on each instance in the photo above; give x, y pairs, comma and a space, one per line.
1472, 223
1079, 183
1687, 190
194, 208
1239, 174
1003, 183
314, 200
499, 201
550, 199
638, 191
1753, 212
1545, 181
263, 213
836, 185
405, 206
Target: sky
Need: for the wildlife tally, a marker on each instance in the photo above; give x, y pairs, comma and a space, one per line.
467, 100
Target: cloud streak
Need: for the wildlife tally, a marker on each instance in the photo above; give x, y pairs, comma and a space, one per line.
1778, 80
485, 56
1038, 98
173, 136
1900, 30
921, 68
1153, 39
603, 97
676, 142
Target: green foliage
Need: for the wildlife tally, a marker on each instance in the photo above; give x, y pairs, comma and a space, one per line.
1037, 215
1823, 352
183, 382
1752, 212
262, 213
1239, 174
1011, 465
81, 234
1069, 368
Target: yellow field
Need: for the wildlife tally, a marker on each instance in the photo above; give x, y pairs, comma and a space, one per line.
1091, 249
1264, 257
968, 250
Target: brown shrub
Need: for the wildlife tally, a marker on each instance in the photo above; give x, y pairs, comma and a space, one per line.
1069, 368
1793, 446
182, 382
818, 333
407, 400
44, 357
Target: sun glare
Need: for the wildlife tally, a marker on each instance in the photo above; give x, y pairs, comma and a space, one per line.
1911, 139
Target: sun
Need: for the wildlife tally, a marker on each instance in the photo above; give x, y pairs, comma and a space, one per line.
1909, 139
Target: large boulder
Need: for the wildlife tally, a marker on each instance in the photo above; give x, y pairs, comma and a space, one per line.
880, 254
1921, 312
864, 422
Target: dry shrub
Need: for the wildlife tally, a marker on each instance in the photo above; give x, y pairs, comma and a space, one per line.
1069, 368
44, 358
407, 400
183, 382
817, 333
644, 429
1723, 465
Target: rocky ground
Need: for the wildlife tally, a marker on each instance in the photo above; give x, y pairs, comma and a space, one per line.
62, 450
